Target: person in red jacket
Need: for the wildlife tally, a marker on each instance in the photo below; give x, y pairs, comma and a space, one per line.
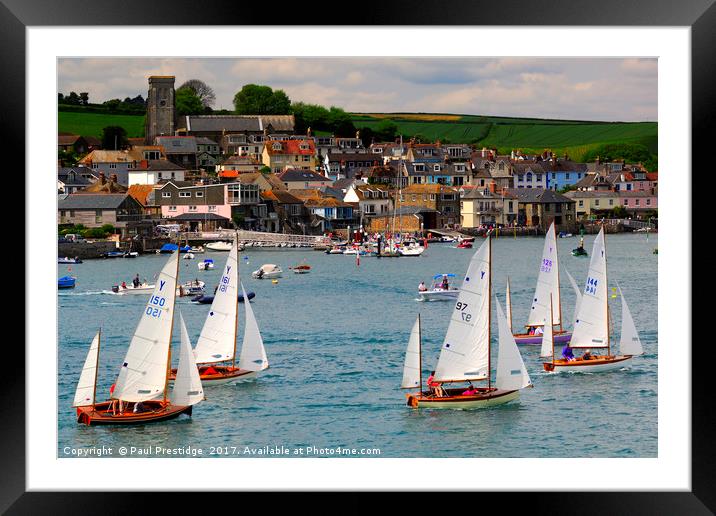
435, 386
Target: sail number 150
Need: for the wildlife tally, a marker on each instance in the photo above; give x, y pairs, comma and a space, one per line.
461, 307
157, 301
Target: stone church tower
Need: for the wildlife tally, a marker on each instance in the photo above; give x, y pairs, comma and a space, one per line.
160, 108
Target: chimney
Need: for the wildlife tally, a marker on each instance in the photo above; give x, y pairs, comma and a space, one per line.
102, 180
512, 154
484, 151
492, 187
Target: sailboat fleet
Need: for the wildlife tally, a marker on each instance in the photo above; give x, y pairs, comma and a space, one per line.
141, 393
465, 354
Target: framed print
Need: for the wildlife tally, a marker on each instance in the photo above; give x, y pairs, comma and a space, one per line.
306, 258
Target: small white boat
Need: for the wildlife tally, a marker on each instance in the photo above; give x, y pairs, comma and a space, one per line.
206, 265
188, 256
142, 288
191, 288
196, 250
267, 271
219, 246
412, 250
440, 290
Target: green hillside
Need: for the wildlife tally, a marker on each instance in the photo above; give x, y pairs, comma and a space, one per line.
529, 135
91, 124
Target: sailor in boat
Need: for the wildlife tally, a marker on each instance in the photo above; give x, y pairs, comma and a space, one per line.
587, 355
135, 282
422, 287
567, 353
445, 285
435, 387
470, 391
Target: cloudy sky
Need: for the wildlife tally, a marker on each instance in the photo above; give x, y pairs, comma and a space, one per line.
569, 88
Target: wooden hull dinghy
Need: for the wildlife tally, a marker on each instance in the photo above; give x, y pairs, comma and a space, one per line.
140, 394
215, 351
465, 353
153, 412
596, 364
592, 325
560, 337
454, 399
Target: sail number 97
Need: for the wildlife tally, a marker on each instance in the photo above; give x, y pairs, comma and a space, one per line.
461, 307
154, 308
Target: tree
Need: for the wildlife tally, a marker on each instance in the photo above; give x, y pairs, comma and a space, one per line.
114, 137
254, 99
84, 98
341, 123
386, 130
629, 152
73, 99
188, 102
202, 90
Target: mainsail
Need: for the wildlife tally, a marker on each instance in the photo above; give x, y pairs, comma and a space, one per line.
465, 351
187, 385
629, 342
411, 368
591, 329
217, 341
253, 355
144, 371
547, 283
577, 296
84, 395
511, 370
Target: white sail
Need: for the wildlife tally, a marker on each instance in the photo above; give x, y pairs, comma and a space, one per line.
591, 329
577, 296
84, 395
411, 368
253, 354
511, 370
508, 305
144, 371
187, 385
547, 349
217, 341
629, 342
465, 351
547, 283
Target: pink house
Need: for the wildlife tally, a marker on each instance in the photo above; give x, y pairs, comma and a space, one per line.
635, 201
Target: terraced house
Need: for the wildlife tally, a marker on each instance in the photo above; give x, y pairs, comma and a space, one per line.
445, 200
540, 207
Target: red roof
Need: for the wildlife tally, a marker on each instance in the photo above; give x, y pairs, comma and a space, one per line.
291, 147
229, 173
652, 176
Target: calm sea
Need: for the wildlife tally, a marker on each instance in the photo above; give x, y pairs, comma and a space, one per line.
336, 339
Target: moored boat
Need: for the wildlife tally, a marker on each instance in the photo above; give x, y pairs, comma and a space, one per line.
465, 353
267, 271
219, 246
591, 330
66, 282
301, 268
206, 265
207, 300
580, 251
411, 250
66, 259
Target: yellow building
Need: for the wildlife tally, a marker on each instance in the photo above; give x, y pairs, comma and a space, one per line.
588, 203
280, 154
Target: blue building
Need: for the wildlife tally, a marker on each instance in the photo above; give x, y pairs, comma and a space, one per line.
563, 172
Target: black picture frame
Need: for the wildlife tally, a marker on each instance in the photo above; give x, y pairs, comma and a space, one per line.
700, 15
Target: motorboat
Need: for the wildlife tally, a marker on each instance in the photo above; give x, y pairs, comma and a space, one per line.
334, 250
447, 239
113, 254
440, 290
219, 246
411, 250
206, 265
267, 271
76, 259
302, 268
464, 244
188, 256
196, 249
66, 282
141, 288
207, 300
131, 254
191, 288
563, 234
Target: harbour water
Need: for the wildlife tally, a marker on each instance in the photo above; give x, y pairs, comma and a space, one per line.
335, 339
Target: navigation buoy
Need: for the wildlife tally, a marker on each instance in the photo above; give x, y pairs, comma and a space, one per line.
274, 281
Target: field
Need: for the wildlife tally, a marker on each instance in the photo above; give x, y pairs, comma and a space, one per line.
91, 124
529, 135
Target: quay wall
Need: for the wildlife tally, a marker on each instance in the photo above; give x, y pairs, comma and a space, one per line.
85, 250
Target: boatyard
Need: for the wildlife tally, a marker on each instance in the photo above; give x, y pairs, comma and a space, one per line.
342, 328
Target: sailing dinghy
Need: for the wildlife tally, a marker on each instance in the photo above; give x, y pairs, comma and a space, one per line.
140, 392
591, 328
547, 284
465, 353
215, 351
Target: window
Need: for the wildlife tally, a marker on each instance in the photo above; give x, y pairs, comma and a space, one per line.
212, 208
199, 194
166, 195
112, 165
98, 215
648, 202
566, 175
192, 208
184, 194
436, 168
596, 202
636, 202
611, 202
581, 203
172, 208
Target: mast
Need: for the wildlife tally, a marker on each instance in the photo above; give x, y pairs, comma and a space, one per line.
489, 313
509, 304
171, 331
420, 352
552, 333
96, 369
606, 301
554, 229
236, 315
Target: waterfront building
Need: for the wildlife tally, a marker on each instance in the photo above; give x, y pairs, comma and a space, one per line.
540, 207
441, 198
529, 174
97, 209
372, 199
480, 206
593, 203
